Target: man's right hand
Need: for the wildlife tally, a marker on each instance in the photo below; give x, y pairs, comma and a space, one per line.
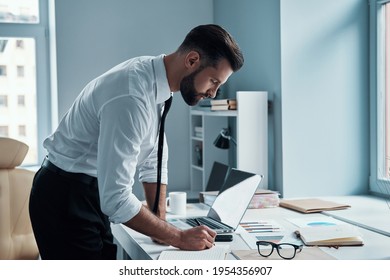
197, 238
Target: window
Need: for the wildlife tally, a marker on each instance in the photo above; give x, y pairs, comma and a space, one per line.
19, 11
21, 101
4, 130
3, 101
3, 70
20, 44
22, 130
387, 92
20, 71
24, 74
380, 97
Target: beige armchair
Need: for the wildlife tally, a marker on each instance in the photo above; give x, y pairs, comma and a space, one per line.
16, 236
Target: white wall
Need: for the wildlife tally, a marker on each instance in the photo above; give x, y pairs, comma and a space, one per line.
94, 35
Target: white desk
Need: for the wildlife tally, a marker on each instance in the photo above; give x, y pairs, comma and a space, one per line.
376, 245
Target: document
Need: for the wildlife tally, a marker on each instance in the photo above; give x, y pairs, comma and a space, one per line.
333, 235
217, 252
311, 205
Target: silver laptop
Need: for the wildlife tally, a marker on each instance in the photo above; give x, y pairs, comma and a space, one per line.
230, 205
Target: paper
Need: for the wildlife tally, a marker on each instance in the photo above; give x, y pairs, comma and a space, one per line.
316, 221
266, 230
218, 252
260, 226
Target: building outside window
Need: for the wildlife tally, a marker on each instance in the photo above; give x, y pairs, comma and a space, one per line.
24, 60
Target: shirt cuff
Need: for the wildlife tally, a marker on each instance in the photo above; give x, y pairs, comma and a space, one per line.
126, 210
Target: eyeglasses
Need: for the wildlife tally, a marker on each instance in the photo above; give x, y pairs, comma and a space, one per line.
285, 250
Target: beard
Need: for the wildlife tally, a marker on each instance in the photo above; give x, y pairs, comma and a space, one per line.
188, 91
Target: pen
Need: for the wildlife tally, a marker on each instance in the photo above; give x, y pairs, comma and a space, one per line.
197, 221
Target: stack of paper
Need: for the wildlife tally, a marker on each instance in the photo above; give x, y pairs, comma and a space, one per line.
264, 199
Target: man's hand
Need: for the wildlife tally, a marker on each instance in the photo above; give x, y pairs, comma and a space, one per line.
197, 238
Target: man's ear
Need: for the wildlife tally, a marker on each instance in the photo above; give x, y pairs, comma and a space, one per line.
192, 60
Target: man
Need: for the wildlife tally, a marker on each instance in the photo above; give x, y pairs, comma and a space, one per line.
86, 180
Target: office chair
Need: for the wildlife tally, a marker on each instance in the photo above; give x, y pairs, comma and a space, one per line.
16, 236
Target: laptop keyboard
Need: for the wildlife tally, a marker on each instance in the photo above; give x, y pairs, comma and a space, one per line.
204, 221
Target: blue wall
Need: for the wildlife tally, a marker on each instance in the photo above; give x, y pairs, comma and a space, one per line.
256, 27
325, 97
313, 57
94, 35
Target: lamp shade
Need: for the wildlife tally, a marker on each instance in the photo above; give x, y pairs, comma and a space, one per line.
223, 139
222, 142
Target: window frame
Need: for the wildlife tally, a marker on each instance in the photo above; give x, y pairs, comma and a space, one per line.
40, 33
378, 184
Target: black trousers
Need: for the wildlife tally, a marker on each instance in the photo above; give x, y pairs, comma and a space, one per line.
67, 220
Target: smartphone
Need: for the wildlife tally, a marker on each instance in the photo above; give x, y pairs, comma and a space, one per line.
224, 238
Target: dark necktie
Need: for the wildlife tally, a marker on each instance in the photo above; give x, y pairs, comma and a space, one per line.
160, 152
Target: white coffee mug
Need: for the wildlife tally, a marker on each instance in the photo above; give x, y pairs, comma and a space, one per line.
177, 203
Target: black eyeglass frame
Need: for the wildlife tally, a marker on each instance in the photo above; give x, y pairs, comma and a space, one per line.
297, 248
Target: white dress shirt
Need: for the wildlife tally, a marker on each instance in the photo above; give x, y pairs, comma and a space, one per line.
112, 129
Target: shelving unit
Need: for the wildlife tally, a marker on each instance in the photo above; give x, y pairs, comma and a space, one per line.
252, 143
205, 127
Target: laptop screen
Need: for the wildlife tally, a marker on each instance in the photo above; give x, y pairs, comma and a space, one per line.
217, 176
234, 197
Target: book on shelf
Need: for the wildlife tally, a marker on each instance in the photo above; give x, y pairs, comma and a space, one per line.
198, 131
223, 102
223, 107
311, 205
333, 235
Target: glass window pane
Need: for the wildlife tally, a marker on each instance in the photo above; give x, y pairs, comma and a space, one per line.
19, 11
387, 94
18, 113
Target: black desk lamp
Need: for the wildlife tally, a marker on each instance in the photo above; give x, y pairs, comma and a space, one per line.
223, 139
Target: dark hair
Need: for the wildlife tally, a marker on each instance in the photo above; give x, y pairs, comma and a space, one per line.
213, 43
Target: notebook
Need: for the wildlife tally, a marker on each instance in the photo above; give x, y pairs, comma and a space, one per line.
335, 235
229, 206
311, 205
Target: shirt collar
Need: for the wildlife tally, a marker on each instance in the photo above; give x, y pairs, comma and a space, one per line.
163, 91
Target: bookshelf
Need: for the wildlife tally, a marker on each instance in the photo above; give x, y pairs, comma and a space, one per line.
251, 134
